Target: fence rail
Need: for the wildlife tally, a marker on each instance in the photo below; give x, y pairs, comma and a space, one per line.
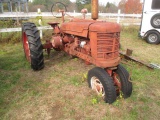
49, 14
47, 27
19, 29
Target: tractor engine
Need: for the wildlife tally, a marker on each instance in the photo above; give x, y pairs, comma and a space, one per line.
96, 42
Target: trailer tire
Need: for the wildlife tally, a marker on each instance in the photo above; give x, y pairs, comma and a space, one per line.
32, 46
100, 81
153, 37
123, 76
155, 21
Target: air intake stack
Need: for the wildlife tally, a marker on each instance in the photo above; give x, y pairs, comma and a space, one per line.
94, 9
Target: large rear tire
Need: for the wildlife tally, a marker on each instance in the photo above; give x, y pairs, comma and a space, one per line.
100, 81
32, 46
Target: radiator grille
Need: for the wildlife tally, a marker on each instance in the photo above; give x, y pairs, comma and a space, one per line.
108, 45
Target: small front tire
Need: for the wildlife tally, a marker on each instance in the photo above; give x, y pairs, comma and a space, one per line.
122, 81
100, 81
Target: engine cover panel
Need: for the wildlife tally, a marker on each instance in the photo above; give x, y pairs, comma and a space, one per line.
105, 27
81, 27
77, 27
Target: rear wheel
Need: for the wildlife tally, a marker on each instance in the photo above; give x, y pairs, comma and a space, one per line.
32, 46
153, 37
100, 81
122, 81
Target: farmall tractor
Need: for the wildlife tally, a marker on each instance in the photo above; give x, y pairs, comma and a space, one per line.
96, 42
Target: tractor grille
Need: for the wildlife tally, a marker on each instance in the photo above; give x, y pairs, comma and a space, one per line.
108, 45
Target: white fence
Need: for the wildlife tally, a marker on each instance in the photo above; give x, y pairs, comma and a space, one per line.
46, 27
19, 29
49, 14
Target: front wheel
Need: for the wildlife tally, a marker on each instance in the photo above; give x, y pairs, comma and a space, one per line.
32, 46
100, 81
122, 81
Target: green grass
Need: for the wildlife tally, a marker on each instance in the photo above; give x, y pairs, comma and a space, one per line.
141, 50
8, 23
15, 37
60, 90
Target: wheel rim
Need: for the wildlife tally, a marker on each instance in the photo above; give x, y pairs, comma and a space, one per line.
117, 82
152, 37
156, 21
26, 47
97, 86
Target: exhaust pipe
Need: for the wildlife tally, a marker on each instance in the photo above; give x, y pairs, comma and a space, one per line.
94, 9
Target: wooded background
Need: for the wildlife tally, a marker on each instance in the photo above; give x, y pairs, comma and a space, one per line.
126, 6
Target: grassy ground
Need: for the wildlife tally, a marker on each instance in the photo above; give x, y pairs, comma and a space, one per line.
143, 51
60, 90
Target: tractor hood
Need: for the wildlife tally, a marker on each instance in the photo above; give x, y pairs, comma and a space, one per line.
106, 27
81, 27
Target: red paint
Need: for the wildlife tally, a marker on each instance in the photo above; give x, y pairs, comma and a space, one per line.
96, 42
26, 46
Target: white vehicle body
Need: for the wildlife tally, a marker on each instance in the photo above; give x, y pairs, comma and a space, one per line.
150, 24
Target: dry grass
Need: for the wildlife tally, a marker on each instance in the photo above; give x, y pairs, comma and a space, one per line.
60, 91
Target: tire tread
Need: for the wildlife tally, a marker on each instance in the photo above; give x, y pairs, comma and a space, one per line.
106, 81
35, 46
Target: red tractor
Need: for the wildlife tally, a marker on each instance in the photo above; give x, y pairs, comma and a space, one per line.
96, 42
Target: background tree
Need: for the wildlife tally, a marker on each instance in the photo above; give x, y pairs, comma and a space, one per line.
72, 7
83, 4
108, 5
111, 8
85, 1
45, 5
121, 5
133, 6
130, 6
102, 8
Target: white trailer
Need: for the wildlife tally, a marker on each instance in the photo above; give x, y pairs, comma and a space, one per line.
150, 24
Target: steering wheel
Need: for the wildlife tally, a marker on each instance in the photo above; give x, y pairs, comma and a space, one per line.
57, 9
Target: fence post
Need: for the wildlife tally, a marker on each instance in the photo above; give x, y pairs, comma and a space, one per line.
19, 6
118, 18
40, 21
10, 6
17, 17
1, 7
27, 7
74, 13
